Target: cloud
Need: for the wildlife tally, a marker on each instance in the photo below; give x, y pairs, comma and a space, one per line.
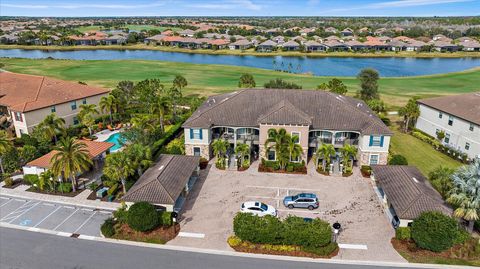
78, 6
228, 4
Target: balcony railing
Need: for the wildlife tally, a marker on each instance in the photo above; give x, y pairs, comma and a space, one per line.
313, 141
346, 141
247, 137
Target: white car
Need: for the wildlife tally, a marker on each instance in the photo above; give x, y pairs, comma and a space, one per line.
258, 208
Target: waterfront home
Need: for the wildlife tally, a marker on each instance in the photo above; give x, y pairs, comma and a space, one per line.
469, 45
356, 46
397, 45
316, 117
29, 99
458, 116
334, 45
443, 46
167, 183
290, 45
346, 32
405, 193
267, 46
241, 44
312, 46
415, 45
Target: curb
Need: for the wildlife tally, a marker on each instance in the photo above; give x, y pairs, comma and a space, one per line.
239, 254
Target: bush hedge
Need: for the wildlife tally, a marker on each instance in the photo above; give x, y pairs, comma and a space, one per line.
165, 218
403, 233
437, 145
142, 217
108, 227
434, 231
398, 159
30, 179
65, 187
9, 181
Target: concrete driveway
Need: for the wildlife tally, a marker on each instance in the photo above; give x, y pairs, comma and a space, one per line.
209, 210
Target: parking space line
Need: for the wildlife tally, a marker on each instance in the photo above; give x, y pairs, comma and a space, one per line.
85, 222
66, 219
19, 209
51, 213
4, 198
6, 202
353, 246
69, 207
281, 188
300, 211
261, 197
23, 212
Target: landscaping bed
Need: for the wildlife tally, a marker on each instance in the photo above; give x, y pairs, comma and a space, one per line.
286, 250
160, 235
15, 184
58, 193
273, 167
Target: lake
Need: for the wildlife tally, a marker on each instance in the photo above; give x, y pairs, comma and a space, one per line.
319, 66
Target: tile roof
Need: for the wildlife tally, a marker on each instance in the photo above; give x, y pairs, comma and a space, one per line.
94, 149
164, 182
25, 93
324, 110
408, 191
465, 106
290, 43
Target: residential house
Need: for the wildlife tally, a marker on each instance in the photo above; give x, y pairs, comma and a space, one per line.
397, 45
312, 46
469, 45
29, 99
267, 46
241, 44
336, 46
155, 40
332, 30
316, 117
415, 45
346, 32
444, 46
187, 33
406, 193
290, 45
458, 116
167, 183
356, 46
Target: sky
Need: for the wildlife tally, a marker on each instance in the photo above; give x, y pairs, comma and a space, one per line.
99, 8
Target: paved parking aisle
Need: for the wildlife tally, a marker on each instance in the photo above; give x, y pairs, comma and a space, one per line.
64, 219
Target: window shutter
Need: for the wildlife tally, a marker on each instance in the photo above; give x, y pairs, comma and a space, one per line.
381, 141
191, 133
371, 141
201, 134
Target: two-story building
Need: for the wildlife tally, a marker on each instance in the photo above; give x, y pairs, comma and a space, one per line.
29, 99
316, 117
458, 116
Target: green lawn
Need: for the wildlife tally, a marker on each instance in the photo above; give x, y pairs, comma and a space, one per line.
212, 79
135, 27
419, 153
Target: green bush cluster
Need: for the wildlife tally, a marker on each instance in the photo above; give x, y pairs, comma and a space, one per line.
434, 231
121, 214
398, 159
65, 187
108, 227
142, 217
292, 231
30, 179
291, 166
165, 218
403, 233
437, 145
366, 170
166, 138
8, 181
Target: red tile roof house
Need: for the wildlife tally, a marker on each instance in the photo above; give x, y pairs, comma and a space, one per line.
29, 99
317, 117
97, 151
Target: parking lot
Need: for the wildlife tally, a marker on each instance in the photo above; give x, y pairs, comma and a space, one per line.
64, 219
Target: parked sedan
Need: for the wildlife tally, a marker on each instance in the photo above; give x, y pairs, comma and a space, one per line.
302, 200
258, 208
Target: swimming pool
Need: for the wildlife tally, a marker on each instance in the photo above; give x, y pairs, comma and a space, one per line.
117, 140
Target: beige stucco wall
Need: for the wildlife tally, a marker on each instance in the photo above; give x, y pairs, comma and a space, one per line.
303, 139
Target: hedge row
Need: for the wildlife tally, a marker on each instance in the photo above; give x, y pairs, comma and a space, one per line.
167, 137
437, 145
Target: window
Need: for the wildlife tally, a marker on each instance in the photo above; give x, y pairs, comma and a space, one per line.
18, 116
450, 120
471, 127
53, 109
374, 159
73, 104
376, 141
84, 101
447, 138
196, 133
196, 151
75, 121
467, 146
297, 134
440, 115
271, 155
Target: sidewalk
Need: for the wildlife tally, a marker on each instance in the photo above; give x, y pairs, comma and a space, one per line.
79, 200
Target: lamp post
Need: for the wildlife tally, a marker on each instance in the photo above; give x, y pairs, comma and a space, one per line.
53, 182
59, 182
336, 230
174, 216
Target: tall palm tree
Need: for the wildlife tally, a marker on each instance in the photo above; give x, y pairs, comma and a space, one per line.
348, 153
465, 194
109, 104
180, 82
294, 149
86, 115
141, 157
243, 151
71, 158
51, 126
119, 167
162, 107
220, 147
5, 146
441, 180
325, 152
175, 95
278, 140
410, 112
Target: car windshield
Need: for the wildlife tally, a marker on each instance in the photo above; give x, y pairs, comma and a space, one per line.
294, 197
264, 207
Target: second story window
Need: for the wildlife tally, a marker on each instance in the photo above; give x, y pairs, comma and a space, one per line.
196, 134
18, 116
467, 146
471, 127
447, 138
450, 120
84, 101
73, 104
75, 121
53, 109
440, 115
297, 135
376, 141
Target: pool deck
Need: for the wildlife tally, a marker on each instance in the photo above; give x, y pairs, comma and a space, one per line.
105, 134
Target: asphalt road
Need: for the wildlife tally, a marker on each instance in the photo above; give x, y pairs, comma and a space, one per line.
25, 249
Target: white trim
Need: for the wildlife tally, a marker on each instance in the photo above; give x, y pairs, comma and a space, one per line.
299, 135
370, 158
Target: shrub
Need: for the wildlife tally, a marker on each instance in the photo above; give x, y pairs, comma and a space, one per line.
322, 251
142, 217
121, 214
65, 187
366, 170
403, 233
398, 159
9, 182
289, 168
165, 218
203, 163
296, 231
93, 186
434, 231
234, 241
112, 190
462, 237
263, 230
30, 179
108, 227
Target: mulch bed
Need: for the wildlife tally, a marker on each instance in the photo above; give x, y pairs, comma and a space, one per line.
66, 194
161, 235
16, 183
323, 172
257, 249
264, 169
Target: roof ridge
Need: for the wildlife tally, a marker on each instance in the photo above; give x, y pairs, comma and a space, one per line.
161, 172
283, 104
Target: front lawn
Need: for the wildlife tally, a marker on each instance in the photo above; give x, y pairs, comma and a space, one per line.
419, 153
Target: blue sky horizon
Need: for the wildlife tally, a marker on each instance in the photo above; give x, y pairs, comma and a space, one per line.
338, 8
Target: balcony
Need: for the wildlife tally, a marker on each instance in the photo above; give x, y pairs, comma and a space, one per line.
246, 138
317, 141
342, 141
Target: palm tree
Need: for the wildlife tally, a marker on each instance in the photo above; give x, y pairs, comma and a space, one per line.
243, 151
465, 194
278, 140
71, 158
86, 115
180, 82
109, 104
51, 126
162, 107
5, 146
175, 95
118, 167
441, 180
220, 147
294, 149
141, 157
348, 153
410, 112
325, 152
